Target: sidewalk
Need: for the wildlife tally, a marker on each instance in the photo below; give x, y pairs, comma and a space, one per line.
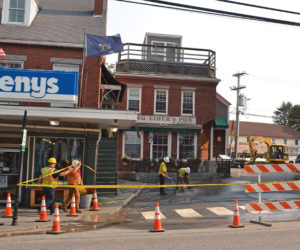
108, 206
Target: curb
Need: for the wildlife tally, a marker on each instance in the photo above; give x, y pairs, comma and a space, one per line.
129, 199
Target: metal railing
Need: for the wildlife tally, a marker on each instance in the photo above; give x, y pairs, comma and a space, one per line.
167, 59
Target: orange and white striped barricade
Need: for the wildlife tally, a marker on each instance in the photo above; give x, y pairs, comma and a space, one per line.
270, 187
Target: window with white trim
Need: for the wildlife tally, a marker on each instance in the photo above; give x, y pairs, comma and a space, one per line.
161, 101
186, 143
296, 142
65, 68
16, 11
6, 64
134, 99
187, 102
160, 145
273, 140
285, 141
132, 144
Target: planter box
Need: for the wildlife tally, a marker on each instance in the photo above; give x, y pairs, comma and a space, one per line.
85, 200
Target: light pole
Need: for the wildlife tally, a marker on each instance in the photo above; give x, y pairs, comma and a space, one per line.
181, 140
150, 140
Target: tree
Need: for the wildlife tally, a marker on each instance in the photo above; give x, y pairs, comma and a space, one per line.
294, 117
281, 115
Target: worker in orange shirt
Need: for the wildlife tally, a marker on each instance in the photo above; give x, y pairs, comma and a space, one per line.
74, 178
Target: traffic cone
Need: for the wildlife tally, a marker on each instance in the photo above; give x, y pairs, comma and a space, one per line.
8, 211
56, 222
95, 202
236, 217
73, 207
43, 213
157, 222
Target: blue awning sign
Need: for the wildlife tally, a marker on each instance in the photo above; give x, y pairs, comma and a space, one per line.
38, 86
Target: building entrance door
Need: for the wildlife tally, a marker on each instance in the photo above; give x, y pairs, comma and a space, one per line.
219, 142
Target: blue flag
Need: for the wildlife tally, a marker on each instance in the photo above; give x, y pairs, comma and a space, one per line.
102, 45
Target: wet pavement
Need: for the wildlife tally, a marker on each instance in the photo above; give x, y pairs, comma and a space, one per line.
87, 220
143, 198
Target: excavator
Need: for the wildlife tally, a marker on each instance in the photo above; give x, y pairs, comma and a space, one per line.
276, 153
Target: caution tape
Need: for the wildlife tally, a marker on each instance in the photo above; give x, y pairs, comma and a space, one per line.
111, 202
151, 185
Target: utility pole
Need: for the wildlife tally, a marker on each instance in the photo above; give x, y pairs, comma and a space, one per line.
237, 118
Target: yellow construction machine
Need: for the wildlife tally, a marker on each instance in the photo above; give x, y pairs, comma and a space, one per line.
276, 153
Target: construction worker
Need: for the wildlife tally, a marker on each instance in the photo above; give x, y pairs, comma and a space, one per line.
183, 176
163, 174
47, 178
74, 178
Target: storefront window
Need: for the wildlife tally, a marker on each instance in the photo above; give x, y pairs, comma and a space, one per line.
160, 145
60, 148
187, 146
132, 144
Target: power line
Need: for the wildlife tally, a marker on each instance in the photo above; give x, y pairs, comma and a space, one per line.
226, 13
259, 7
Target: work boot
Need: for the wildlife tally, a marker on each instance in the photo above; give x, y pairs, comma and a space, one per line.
65, 209
78, 211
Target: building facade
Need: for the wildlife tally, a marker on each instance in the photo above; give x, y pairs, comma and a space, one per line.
173, 90
46, 74
278, 134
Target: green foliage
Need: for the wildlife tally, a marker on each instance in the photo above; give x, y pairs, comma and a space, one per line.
282, 113
294, 117
111, 68
126, 158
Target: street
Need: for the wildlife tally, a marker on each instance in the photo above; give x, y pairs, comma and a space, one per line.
197, 218
279, 236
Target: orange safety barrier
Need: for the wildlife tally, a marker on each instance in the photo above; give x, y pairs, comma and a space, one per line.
8, 210
56, 222
95, 202
43, 212
73, 207
236, 217
157, 220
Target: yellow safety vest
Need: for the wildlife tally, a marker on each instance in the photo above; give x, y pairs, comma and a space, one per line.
47, 176
163, 169
182, 172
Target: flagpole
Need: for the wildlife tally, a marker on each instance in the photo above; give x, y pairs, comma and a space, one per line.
82, 68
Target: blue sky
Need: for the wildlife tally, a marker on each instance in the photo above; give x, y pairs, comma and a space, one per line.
269, 53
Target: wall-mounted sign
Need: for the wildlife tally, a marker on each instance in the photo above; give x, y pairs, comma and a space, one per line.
3, 181
39, 86
161, 119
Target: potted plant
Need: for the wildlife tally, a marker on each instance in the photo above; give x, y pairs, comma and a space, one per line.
126, 159
86, 197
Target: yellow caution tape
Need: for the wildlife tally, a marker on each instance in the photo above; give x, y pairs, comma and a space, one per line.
110, 202
151, 186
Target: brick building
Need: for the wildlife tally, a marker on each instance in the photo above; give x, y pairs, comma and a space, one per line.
44, 43
173, 89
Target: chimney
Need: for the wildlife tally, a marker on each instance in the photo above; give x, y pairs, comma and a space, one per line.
99, 7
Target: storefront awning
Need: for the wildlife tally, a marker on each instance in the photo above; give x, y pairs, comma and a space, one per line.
109, 82
221, 123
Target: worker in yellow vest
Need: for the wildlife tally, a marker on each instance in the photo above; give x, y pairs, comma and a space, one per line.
49, 177
163, 174
74, 178
183, 176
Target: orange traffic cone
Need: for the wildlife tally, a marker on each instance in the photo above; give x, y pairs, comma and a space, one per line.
95, 202
236, 217
8, 211
157, 221
43, 213
73, 207
56, 222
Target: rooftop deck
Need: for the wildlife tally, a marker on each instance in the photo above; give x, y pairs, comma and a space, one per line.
141, 58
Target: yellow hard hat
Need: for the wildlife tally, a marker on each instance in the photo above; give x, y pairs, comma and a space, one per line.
52, 160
